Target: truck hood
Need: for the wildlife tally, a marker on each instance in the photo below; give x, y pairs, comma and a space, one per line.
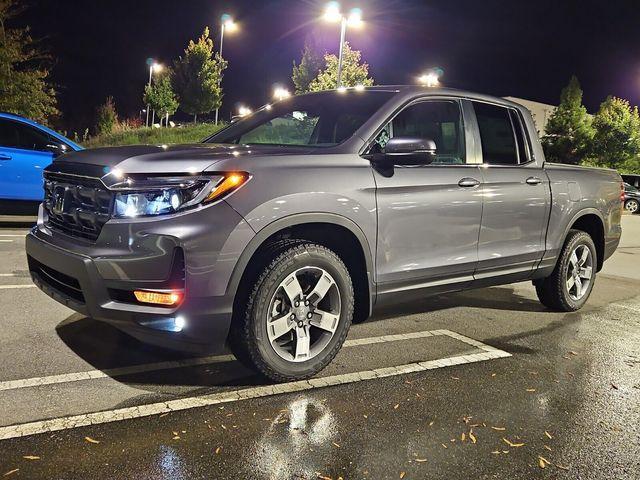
145, 159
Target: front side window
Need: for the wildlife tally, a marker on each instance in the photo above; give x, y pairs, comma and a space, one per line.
17, 135
497, 136
322, 119
437, 120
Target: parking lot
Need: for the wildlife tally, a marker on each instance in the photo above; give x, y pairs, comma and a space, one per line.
481, 384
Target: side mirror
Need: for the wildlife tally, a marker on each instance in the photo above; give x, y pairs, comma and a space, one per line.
56, 149
407, 151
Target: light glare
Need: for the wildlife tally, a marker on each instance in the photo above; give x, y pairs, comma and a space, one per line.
244, 111
429, 79
332, 12
281, 93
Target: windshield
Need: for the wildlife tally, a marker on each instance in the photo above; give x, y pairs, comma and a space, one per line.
319, 120
630, 188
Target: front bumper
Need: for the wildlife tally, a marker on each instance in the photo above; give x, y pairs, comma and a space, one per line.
141, 255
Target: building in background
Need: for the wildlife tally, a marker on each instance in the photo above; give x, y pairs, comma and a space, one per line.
541, 112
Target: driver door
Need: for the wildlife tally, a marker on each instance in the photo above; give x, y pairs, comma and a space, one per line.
429, 215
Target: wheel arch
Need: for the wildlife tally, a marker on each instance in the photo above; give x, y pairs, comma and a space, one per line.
336, 232
591, 222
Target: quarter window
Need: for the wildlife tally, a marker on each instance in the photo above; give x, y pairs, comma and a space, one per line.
440, 121
498, 139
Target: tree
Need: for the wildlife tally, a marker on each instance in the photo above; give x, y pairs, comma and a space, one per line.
310, 65
198, 77
160, 95
616, 142
107, 117
24, 82
354, 71
569, 131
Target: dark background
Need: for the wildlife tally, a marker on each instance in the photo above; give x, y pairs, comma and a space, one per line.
502, 47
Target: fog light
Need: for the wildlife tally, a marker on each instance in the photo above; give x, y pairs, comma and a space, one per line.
179, 323
170, 298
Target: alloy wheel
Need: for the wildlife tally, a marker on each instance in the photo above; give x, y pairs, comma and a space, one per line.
579, 272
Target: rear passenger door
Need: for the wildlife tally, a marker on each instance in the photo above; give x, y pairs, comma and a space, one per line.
516, 197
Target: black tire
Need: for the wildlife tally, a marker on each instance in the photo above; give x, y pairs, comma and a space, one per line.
632, 206
248, 336
552, 291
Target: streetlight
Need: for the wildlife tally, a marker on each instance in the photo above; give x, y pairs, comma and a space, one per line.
280, 93
226, 23
154, 67
244, 111
332, 14
430, 79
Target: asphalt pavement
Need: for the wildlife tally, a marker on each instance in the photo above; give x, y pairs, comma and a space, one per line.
480, 384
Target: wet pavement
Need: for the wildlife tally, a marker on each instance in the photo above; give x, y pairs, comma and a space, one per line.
565, 403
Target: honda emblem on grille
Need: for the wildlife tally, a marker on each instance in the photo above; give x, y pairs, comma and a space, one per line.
57, 203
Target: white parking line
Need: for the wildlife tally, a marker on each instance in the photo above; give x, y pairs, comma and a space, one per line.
194, 362
6, 241
8, 235
486, 353
12, 287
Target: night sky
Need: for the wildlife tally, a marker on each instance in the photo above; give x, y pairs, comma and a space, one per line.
527, 49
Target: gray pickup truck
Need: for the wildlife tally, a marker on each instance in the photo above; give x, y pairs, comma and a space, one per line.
275, 233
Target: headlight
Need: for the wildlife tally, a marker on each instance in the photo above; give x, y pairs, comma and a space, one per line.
159, 196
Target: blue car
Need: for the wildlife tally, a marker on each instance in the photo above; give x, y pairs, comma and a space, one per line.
26, 148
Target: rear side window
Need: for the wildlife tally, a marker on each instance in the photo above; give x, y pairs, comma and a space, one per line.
499, 146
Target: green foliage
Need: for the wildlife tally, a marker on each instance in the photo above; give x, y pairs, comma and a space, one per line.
153, 136
310, 65
198, 77
616, 143
24, 82
160, 95
107, 117
569, 131
354, 71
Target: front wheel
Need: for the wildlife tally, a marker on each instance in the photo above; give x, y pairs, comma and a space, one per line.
569, 286
632, 206
297, 315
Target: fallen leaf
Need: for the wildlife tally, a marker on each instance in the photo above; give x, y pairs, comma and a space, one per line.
463, 437
511, 444
472, 437
322, 477
31, 457
496, 452
500, 429
443, 445
455, 378
11, 472
421, 460
177, 437
395, 407
548, 434
548, 447
541, 463
335, 445
365, 416
571, 352
531, 389
614, 386
493, 374
402, 474
431, 423
561, 467
218, 450
163, 415
91, 440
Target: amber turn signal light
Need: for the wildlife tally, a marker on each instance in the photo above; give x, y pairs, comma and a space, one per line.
158, 298
229, 183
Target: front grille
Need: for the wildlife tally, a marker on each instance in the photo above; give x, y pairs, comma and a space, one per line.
76, 206
65, 284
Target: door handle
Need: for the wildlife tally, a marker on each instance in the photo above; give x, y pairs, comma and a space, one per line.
4, 156
533, 181
468, 182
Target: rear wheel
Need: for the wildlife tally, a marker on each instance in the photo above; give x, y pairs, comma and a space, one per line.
632, 206
297, 314
569, 286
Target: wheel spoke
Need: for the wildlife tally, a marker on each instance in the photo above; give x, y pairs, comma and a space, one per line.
302, 344
325, 320
279, 326
292, 288
320, 290
586, 273
578, 287
570, 283
584, 257
574, 259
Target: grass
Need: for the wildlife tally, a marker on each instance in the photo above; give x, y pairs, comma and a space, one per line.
154, 136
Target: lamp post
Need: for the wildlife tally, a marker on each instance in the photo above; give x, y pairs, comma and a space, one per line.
153, 67
332, 14
226, 23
